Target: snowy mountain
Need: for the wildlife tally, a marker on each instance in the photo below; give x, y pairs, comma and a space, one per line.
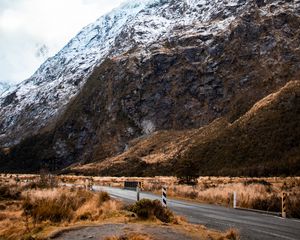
151, 65
30, 105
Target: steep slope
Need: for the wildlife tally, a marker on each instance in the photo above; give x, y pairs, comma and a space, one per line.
34, 103
264, 141
170, 65
137, 25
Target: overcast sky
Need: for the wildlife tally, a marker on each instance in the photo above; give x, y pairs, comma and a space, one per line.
32, 30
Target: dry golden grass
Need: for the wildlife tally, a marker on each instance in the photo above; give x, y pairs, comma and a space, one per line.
258, 193
232, 234
190, 230
88, 207
130, 236
38, 213
39, 210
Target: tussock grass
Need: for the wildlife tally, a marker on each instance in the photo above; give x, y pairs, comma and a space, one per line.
147, 209
60, 205
37, 210
231, 234
130, 236
257, 193
9, 192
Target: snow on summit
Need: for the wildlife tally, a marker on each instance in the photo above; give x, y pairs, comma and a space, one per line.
139, 23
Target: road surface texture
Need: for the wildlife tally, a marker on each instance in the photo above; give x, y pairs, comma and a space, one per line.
108, 230
250, 224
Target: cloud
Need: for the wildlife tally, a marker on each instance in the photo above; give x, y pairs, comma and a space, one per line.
30, 26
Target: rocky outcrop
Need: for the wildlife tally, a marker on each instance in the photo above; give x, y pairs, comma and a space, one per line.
262, 142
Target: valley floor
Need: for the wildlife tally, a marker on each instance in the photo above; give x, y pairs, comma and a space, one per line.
39, 207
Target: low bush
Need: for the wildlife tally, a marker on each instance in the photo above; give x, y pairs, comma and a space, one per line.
103, 197
272, 203
147, 209
55, 210
257, 181
232, 234
293, 205
60, 207
2, 207
9, 193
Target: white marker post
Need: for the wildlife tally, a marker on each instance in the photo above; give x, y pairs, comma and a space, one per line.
283, 213
91, 183
234, 199
164, 196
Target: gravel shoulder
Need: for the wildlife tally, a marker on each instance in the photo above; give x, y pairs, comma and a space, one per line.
156, 232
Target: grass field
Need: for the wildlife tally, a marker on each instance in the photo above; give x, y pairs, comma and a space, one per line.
257, 193
36, 206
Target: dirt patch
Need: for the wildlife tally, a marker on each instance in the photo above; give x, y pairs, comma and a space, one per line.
103, 231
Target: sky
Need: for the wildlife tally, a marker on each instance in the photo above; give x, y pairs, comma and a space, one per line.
33, 30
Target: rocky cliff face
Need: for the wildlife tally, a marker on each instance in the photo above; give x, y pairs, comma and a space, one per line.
262, 142
148, 66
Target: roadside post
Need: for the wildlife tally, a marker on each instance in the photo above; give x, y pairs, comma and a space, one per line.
164, 196
283, 208
91, 183
87, 183
234, 199
229, 200
137, 193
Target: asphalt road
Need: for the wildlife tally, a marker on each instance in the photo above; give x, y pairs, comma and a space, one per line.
250, 224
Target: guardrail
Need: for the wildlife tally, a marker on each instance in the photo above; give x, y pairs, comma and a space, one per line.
233, 202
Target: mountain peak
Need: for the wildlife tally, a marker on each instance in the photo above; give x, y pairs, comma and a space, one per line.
149, 66
139, 24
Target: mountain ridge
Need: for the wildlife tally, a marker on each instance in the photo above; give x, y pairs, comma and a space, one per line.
4, 87
35, 102
168, 152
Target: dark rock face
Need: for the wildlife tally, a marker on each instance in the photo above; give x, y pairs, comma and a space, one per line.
260, 3
9, 99
188, 83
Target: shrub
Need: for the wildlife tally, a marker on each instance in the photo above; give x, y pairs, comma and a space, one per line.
103, 197
232, 234
2, 207
47, 180
257, 181
9, 192
146, 209
293, 205
85, 216
56, 209
272, 203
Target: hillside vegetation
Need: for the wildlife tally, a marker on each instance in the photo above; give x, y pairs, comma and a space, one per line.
176, 105
264, 141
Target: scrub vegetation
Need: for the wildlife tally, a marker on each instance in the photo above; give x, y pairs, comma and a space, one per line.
38, 206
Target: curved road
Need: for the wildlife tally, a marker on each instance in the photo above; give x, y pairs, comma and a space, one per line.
250, 224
